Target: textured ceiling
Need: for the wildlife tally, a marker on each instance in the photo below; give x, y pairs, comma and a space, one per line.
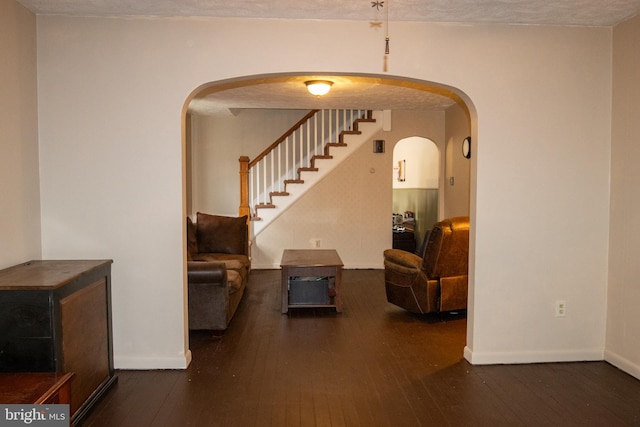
558, 12
348, 92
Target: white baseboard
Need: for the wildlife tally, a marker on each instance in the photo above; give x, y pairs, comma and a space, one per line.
622, 363
511, 358
144, 363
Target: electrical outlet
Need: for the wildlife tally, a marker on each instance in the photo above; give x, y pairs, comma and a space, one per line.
561, 308
317, 243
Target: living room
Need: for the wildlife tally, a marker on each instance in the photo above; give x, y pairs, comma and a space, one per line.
354, 199
94, 167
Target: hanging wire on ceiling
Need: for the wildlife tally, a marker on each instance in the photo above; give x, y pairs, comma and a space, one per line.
377, 24
386, 31
386, 39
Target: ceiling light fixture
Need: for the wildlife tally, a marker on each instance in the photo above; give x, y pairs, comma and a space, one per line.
318, 87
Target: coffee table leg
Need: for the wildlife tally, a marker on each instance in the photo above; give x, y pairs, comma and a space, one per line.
285, 290
338, 285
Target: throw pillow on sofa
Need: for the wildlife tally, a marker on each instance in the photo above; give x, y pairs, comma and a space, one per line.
221, 234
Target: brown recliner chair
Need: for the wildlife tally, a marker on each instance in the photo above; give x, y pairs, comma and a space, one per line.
436, 282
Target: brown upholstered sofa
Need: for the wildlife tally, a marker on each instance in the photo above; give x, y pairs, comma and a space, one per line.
218, 266
436, 282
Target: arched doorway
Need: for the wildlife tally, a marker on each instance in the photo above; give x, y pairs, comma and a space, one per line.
416, 184
370, 170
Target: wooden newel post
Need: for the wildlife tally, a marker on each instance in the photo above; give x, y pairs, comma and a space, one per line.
244, 208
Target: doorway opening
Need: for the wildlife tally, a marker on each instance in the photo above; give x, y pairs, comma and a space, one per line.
416, 169
358, 226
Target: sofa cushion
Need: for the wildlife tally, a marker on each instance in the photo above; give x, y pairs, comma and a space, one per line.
192, 241
221, 234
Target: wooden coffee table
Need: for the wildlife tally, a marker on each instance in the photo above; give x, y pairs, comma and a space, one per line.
312, 263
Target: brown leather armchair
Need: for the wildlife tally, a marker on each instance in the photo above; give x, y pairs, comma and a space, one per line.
436, 282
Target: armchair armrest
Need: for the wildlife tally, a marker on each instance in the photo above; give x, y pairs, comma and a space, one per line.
404, 259
405, 281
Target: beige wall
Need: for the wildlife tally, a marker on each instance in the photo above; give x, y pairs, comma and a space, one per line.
348, 203
218, 143
456, 196
350, 218
111, 95
350, 209
419, 161
623, 297
19, 187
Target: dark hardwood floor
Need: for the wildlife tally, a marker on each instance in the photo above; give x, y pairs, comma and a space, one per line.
373, 365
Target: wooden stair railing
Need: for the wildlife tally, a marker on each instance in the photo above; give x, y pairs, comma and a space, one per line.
244, 209
282, 138
246, 164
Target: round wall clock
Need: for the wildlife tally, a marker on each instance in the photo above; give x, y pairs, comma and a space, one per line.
466, 147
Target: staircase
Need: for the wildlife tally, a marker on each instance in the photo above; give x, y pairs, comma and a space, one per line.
299, 159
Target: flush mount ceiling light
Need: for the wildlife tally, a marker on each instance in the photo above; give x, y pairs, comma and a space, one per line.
318, 87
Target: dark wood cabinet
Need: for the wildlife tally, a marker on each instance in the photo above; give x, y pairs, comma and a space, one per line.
39, 388
56, 317
405, 240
